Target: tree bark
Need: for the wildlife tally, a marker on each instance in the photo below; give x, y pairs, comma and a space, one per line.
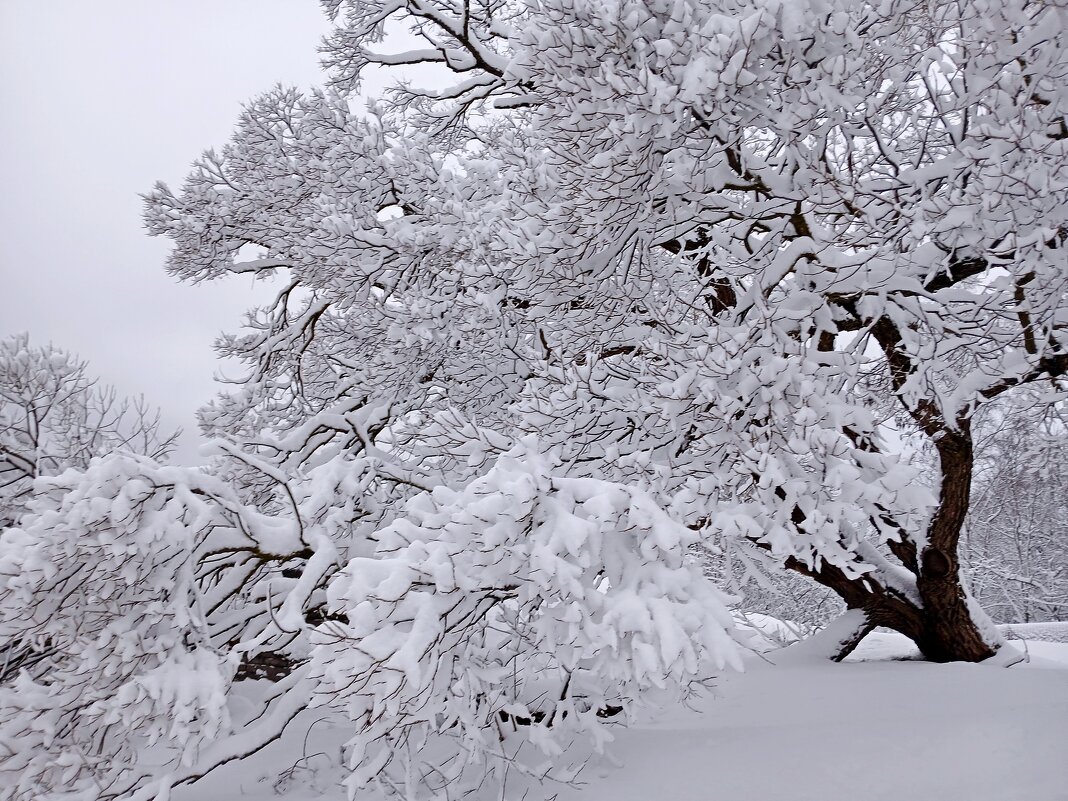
949, 634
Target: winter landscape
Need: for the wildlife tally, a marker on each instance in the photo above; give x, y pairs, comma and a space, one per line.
633, 399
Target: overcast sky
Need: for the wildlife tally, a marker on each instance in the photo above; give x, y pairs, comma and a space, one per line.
99, 100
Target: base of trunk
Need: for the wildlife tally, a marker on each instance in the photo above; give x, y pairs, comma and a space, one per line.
939, 639
943, 643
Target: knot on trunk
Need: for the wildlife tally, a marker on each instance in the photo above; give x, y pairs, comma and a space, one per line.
936, 563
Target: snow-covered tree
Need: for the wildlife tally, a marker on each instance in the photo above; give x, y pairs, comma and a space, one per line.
637, 278
54, 416
733, 252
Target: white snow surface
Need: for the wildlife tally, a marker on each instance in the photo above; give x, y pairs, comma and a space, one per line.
881, 725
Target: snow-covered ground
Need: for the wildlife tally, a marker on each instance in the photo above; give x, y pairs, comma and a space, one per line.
859, 731
879, 726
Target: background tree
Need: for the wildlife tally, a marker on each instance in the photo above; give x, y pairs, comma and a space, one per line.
1016, 543
54, 416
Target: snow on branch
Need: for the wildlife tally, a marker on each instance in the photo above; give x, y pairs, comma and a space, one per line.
525, 606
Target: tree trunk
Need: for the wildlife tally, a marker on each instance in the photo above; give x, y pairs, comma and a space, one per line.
953, 639
944, 625
945, 628
949, 633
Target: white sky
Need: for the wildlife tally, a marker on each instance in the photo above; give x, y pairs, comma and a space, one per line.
98, 101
